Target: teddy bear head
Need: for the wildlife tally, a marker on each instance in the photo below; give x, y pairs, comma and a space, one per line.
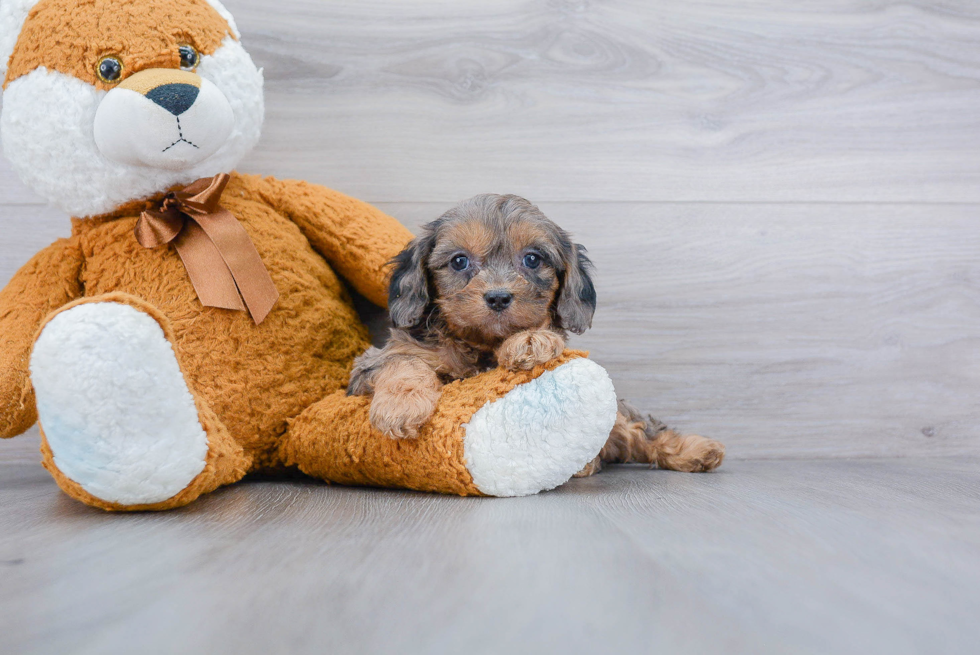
109, 101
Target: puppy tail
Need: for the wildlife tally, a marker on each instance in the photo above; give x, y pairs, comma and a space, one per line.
649, 441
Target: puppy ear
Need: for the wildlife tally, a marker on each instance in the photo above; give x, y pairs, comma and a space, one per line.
576, 293
408, 290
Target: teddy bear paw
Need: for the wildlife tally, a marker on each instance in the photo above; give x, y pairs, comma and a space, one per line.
114, 406
542, 432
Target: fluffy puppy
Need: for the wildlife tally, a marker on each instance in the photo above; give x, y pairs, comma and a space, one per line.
493, 282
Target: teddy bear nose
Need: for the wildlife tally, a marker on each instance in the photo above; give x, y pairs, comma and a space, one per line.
498, 299
175, 98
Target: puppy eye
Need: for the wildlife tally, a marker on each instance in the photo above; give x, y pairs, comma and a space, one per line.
532, 260
189, 58
109, 69
459, 263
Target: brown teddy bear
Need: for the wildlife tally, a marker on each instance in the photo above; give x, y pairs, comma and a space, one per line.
195, 328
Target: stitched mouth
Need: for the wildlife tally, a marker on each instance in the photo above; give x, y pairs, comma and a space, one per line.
180, 139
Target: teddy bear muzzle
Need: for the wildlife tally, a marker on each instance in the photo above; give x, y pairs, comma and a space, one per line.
163, 118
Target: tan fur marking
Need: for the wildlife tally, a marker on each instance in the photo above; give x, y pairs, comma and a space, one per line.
71, 36
145, 81
472, 236
524, 234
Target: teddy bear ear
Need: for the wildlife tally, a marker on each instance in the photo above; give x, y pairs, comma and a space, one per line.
13, 13
224, 13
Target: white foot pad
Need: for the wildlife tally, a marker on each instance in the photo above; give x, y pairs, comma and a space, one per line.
541, 433
114, 406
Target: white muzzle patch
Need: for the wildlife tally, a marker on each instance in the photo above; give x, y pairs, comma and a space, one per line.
170, 125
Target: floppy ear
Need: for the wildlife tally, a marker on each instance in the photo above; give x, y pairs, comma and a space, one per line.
408, 290
576, 293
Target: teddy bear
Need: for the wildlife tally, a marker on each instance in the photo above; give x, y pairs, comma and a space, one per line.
198, 326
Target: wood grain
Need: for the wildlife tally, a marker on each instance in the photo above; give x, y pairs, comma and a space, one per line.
859, 100
760, 557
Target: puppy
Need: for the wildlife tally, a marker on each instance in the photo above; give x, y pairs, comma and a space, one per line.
493, 282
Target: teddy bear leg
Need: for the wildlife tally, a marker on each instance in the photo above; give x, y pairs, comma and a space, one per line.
500, 433
121, 428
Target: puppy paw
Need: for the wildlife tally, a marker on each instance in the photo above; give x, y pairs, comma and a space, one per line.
525, 350
708, 455
400, 415
589, 469
690, 453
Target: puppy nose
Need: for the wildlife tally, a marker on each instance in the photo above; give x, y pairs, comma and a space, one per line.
175, 98
498, 299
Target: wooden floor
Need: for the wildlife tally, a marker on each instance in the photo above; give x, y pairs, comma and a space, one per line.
815, 556
783, 204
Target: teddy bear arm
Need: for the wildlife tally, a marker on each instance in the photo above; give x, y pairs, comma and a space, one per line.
357, 239
499, 433
45, 283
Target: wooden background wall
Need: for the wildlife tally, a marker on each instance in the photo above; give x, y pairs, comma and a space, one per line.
781, 198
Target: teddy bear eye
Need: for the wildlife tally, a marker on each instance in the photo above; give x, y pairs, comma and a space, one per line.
109, 69
189, 57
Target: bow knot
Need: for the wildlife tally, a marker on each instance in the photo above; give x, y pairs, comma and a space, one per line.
220, 258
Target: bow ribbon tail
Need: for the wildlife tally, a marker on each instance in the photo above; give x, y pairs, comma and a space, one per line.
210, 276
242, 263
219, 256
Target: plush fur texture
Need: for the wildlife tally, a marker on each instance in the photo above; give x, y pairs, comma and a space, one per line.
147, 398
14, 14
520, 444
437, 459
117, 414
71, 171
302, 351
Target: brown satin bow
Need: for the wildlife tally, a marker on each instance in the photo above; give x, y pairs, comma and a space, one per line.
219, 256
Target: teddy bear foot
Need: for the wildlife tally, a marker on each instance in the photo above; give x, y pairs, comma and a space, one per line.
121, 427
500, 433
542, 432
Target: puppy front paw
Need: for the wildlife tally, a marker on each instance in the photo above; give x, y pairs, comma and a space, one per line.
400, 415
525, 350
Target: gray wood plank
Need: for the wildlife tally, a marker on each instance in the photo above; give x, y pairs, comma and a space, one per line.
785, 330
760, 557
24, 230
863, 100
